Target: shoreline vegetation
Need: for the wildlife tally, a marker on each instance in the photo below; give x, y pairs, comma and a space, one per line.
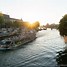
16, 32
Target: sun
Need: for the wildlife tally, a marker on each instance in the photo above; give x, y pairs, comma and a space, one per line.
31, 23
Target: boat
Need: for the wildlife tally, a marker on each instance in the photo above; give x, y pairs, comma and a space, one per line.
5, 44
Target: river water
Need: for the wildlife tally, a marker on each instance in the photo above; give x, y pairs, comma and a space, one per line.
42, 52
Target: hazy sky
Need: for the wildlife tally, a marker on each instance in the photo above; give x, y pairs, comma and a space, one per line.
45, 11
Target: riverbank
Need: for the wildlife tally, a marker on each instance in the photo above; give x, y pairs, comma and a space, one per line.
19, 38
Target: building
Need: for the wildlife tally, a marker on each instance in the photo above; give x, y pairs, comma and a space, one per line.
7, 18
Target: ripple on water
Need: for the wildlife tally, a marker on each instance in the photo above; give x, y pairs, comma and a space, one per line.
40, 53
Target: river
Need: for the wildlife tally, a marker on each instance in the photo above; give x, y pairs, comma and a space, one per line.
42, 52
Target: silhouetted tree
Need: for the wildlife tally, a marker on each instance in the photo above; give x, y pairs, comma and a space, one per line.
63, 26
36, 25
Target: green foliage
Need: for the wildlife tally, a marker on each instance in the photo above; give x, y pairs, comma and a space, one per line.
8, 24
63, 26
1, 19
17, 24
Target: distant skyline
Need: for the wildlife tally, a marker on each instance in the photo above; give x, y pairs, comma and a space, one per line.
44, 11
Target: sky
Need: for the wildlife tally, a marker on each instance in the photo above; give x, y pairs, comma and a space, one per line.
44, 11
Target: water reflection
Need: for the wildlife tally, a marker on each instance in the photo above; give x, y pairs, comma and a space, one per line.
62, 58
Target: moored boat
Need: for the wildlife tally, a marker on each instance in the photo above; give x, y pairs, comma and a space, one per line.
5, 44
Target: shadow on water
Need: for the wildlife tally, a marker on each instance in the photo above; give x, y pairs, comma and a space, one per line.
62, 58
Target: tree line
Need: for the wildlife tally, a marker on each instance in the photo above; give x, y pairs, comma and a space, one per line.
52, 26
17, 23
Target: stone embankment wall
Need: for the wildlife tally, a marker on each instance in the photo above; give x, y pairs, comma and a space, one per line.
23, 35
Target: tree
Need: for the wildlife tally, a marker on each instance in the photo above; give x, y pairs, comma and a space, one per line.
17, 23
26, 24
1, 19
8, 24
63, 26
36, 25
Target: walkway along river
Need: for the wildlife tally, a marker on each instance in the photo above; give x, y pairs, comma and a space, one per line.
42, 52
